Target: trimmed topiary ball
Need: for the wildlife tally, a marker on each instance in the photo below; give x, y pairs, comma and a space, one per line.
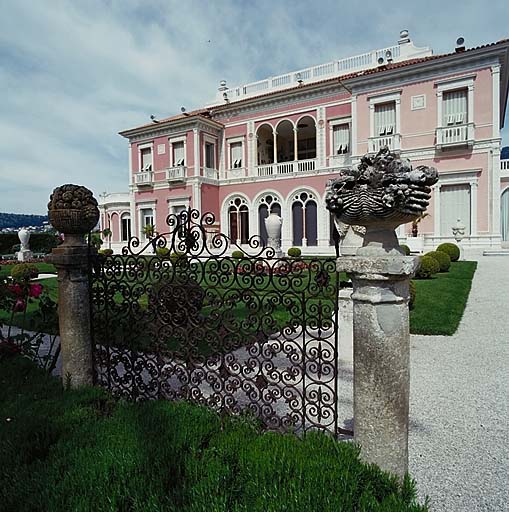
162, 252
23, 272
413, 292
442, 258
178, 258
406, 249
238, 255
451, 249
294, 252
428, 268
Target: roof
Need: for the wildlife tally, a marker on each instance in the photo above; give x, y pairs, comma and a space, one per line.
206, 113
201, 113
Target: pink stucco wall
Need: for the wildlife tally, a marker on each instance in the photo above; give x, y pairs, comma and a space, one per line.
418, 127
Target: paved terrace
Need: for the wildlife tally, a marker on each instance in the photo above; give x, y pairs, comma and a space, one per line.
459, 406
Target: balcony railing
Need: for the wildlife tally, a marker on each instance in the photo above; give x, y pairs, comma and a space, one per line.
504, 168
322, 71
456, 135
144, 178
287, 167
209, 172
177, 173
391, 141
340, 160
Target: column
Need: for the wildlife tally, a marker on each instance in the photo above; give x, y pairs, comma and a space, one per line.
320, 138
295, 147
353, 142
274, 133
381, 352
397, 135
196, 148
71, 260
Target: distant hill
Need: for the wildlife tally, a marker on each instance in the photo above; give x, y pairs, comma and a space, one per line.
19, 220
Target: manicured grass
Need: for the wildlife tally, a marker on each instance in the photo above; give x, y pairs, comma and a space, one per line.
44, 268
81, 451
440, 301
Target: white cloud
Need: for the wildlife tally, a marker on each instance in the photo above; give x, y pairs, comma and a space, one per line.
73, 74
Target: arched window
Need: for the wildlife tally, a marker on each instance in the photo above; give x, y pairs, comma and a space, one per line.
238, 219
306, 138
125, 227
268, 204
304, 219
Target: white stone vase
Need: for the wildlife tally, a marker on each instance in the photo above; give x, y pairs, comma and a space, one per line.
273, 224
24, 237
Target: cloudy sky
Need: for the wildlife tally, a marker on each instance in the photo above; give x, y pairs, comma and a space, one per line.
74, 73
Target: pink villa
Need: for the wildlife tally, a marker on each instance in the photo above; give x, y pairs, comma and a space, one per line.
272, 145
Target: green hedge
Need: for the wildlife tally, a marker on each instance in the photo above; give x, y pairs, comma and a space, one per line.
442, 259
451, 249
39, 242
80, 450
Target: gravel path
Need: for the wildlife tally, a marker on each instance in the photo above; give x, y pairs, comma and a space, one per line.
459, 402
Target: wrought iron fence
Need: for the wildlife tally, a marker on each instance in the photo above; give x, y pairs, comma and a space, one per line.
177, 317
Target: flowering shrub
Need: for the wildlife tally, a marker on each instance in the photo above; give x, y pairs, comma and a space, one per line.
15, 295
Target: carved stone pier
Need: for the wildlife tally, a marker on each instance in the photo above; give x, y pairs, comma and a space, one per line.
382, 193
73, 211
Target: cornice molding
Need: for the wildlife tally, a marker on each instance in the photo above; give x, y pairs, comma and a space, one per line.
169, 129
283, 99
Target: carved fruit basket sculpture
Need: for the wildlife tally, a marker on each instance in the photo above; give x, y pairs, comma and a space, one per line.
72, 210
382, 193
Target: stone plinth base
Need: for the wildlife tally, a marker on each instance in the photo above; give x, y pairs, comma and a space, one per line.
381, 341
25, 255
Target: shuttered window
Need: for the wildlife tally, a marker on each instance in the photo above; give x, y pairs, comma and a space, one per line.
455, 107
209, 156
454, 205
385, 119
146, 159
236, 155
178, 153
341, 139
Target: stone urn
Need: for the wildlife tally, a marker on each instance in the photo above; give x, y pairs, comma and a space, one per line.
24, 253
73, 210
458, 232
273, 224
24, 237
383, 192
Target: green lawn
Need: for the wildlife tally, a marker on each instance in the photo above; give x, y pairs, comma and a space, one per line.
82, 451
440, 302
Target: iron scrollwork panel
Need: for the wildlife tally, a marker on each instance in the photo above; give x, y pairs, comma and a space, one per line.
191, 322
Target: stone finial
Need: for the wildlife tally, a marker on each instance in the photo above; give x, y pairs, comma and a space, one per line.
72, 209
383, 192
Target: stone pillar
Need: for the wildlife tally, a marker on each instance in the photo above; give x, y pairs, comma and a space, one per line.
73, 211
381, 356
384, 192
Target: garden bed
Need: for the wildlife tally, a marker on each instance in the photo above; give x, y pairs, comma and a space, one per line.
80, 450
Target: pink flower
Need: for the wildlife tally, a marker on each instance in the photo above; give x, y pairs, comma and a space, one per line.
20, 305
16, 289
35, 290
